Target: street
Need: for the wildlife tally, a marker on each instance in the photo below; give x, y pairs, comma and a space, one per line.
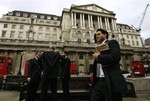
14, 96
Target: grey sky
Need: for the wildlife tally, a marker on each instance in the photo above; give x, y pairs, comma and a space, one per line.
127, 11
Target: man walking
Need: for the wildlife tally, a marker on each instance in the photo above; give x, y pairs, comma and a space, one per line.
108, 82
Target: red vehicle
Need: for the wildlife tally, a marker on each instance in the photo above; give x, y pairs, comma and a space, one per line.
26, 68
140, 68
73, 68
5, 65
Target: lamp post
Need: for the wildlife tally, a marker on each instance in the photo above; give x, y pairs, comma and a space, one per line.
146, 57
19, 72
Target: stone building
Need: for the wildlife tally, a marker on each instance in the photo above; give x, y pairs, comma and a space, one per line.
28, 32
147, 41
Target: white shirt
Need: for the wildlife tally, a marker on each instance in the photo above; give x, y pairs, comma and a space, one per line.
100, 72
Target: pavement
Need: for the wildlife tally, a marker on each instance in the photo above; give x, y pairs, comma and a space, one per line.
14, 96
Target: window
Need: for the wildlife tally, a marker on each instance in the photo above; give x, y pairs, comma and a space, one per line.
131, 37
10, 13
54, 37
3, 34
54, 30
34, 16
47, 36
47, 29
40, 36
87, 35
137, 43
40, 28
55, 18
132, 42
13, 26
8, 18
127, 36
20, 35
42, 16
12, 34
16, 19
17, 14
128, 42
21, 26
55, 23
79, 34
49, 17
23, 19
5, 25
70, 56
41, 21
80, 55
90, 56
25, 15
30, 35
48, 22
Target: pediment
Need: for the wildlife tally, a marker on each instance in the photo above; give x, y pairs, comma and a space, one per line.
92, 7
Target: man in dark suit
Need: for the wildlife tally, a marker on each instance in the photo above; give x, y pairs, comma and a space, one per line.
49, 61
65, 75
34, 77
108, 82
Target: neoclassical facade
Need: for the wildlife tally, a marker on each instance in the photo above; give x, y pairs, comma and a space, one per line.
28, 32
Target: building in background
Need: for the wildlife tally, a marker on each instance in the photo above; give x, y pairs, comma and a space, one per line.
28, 32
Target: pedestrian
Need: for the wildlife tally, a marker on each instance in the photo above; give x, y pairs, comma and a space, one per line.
49, 61
108, 82
65, 75
33, 77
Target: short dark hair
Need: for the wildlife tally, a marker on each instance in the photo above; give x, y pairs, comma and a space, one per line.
66, 52
52, 47
103, 32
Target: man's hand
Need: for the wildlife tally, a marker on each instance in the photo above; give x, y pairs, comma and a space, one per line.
28, 79
95, 55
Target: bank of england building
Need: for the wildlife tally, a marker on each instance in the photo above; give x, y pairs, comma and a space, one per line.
27, 32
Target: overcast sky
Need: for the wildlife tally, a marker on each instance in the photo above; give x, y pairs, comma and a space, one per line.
127, 11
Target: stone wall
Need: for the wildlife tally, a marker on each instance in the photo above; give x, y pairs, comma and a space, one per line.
140, 83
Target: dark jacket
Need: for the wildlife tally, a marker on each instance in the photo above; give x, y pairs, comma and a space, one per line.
65, 65
111, 67
34, 71
49, 62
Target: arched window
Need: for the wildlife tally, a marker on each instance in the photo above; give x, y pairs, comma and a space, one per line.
87, 35
79, 34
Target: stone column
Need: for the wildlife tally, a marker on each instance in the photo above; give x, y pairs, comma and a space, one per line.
98, 21
80, 20
75, 19
89, 21
106, 23
101, 26
72, 19
115, 28
83, 21
112, 23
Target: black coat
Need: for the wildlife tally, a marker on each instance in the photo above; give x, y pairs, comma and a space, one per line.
34, 70
49, 62
65, 67
111, 67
